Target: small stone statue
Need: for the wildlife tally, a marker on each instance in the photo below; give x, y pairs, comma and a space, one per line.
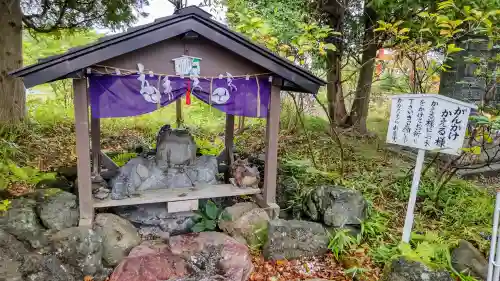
174, 148
243, 175
172, 165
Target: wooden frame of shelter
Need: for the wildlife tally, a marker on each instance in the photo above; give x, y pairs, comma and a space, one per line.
190, 31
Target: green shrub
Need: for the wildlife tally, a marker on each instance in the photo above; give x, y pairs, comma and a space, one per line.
10, 173
4, 205
208, 218
122, 158
341, 242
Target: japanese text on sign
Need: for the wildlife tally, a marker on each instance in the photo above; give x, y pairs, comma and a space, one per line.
429, 122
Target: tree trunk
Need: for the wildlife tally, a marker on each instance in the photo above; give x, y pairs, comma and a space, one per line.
360, 106
12, 96
334, 93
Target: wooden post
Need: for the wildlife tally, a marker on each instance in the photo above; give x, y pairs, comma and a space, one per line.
95, 130
228, 143
83, 152
178, 112
272, 131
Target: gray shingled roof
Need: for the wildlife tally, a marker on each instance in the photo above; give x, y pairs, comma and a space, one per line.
185, 20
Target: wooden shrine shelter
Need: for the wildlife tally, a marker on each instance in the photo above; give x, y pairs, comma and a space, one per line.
189, 33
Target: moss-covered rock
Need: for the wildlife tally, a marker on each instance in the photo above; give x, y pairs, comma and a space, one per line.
405, 270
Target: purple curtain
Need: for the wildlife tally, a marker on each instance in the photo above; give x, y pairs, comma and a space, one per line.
129, 95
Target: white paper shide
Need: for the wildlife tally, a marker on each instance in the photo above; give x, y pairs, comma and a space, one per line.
429, 122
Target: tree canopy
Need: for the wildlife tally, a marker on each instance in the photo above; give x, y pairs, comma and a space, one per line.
50, 15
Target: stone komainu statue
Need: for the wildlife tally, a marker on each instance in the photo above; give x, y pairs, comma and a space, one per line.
174, 148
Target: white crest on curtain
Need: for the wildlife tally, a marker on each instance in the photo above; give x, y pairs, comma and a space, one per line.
148, 92
220, 95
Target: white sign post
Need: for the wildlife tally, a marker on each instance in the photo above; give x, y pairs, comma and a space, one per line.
427, 122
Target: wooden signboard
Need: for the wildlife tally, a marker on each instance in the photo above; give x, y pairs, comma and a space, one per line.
427, 122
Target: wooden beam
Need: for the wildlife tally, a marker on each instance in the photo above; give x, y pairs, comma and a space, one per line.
229, 138
272, 131
83, 152
178, 112
228, 145
107, 162
201, 191
95, 130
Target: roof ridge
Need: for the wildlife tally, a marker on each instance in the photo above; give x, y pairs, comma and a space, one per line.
196, 21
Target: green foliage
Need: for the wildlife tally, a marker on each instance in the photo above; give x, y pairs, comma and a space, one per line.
4, 205
286, 31
341, 242
10, 173
451, 21
54, 16
374, 228
122, 158
299, 179
429, 249
355, 272
209, 217
259, 237
41, 45
383, 253
440, 27
207, 147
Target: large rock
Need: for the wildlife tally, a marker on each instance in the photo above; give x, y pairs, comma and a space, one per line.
154, 218
9, 268
213, 253
404, 270
193, 257
80, 247
22, 222
17, 263
248, 223
43, 268
336, 206
11, 246
11, 257
58, 211
294, 239
469, 260
150, 261
119, 237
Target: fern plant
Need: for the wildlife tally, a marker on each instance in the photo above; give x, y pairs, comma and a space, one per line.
429, 249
